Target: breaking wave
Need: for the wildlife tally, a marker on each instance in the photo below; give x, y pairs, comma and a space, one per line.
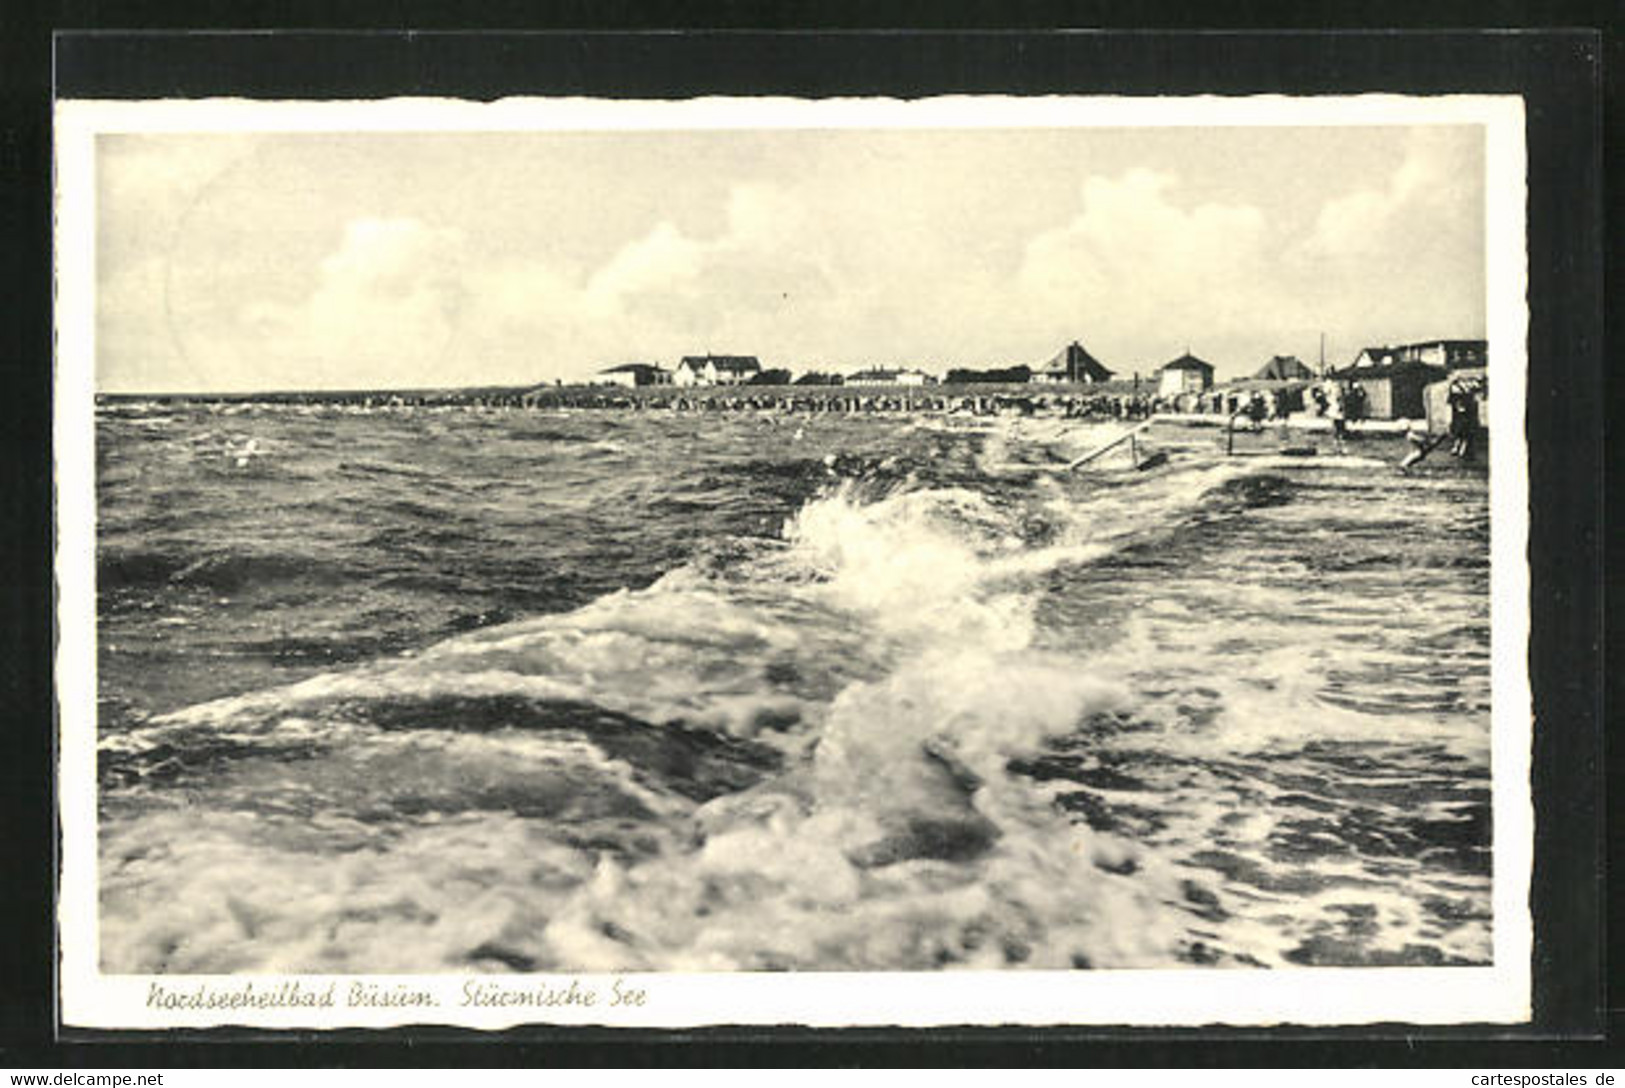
928, 722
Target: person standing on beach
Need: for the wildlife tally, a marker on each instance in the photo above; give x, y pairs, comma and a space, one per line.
1336, 407
1256, 409
1463, 400
1318, 395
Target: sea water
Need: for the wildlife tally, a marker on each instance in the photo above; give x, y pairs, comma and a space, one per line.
418, 690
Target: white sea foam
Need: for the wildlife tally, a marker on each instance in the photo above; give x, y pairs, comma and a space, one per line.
892, 652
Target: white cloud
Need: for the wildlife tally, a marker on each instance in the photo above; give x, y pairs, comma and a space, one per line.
1404, 205
1402, 257
662, 261
289, 273
1132, 260
666, 292
385, 309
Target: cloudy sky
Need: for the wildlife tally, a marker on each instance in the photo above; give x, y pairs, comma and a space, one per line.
319, 260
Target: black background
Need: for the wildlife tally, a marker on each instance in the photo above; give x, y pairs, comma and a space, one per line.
1287, 49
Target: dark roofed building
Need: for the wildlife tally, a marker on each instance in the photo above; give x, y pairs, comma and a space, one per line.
1186, 374
819, 377
1072, 364
633, 374
1284, 368
1448, 354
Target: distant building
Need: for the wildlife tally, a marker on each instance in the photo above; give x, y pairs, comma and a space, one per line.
1448, 354
1008, 375
818, 377
716, 370
880, 375
1186, 374
633, 375
1072, 364
1284, 368
1370, 357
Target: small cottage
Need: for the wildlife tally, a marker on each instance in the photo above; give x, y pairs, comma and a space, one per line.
1186, 374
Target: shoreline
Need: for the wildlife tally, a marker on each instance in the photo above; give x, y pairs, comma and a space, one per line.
1083, 404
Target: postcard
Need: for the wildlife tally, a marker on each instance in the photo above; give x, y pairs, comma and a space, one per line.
973, 560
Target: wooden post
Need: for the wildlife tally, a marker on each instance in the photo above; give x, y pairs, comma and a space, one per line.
1079, 462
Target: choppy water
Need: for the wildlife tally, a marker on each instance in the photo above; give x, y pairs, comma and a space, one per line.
476, 691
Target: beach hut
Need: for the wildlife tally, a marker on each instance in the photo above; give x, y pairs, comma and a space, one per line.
1393, 390
1436, 397
1186, 374
1072, 364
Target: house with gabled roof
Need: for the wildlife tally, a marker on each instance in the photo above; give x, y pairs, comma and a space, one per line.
1284, 368
716, 369
1072, 363
1450, 354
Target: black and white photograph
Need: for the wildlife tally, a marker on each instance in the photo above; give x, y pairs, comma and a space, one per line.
640, 562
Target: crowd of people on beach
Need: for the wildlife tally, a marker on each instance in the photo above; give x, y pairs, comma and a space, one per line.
1254, 404
1339, 402
1103, 406
1335, 400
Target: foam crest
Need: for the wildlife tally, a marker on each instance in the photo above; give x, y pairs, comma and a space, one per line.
1105, 718
967, 708
916, 564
